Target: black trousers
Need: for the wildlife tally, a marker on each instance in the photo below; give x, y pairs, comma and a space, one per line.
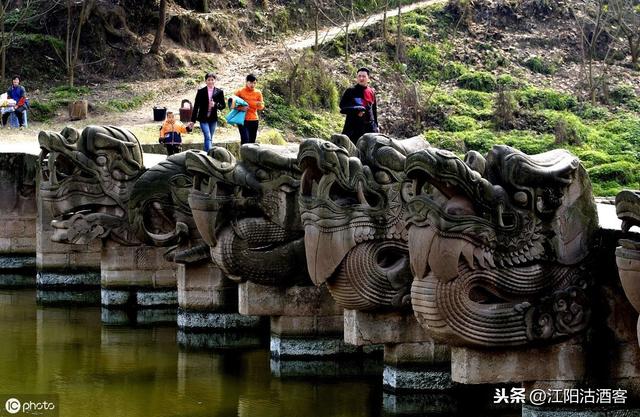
172, 149
19, 115
248, 132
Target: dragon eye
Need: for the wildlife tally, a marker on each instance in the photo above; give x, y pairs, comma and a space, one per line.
382, 177
521, 198
118, 175
101, 160
262, 175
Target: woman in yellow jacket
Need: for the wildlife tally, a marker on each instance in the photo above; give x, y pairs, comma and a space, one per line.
253, 97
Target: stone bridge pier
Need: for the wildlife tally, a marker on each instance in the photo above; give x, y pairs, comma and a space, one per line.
66, 273
208, 314
18, 176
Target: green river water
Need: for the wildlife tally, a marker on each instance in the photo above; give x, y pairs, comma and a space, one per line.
99, 370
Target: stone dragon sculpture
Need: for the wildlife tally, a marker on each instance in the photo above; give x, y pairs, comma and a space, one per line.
98, 187
628, 208
499, 245
353, 217
247, 213
628, 253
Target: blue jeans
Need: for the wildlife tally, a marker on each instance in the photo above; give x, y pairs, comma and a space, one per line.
208, 129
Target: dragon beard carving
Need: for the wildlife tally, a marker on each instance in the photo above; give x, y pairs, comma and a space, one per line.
353, 216
498, 246
97, 187
247, 213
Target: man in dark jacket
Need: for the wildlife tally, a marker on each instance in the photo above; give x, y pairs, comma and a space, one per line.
359, 104
17, 93
209, 99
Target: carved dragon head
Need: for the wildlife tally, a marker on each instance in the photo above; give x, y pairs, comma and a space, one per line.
87, 178
159, 210
353, 217
497, 245
247, 212
628, 208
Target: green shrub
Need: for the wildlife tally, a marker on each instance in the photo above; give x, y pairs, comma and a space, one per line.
122, 105
606, 189
474, 104
459, 123
590, 157
414, 30
272, 137
568, 127
622, 94
536, 64
475, 99
425, 62
445, 140
529, 142
478, 80
68, 93
42, 111
480, 140
589, 112
622, 172
309, 85
320, 124
31, 40
626, 129
508, 81
634, 105
540, 98
453, 70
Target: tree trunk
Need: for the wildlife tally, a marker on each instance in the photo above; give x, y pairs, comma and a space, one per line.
316, 28
87, 5
78, 109
399, 34
3, 55
155, 48
346, 39
634, 47
384, 20
68, 47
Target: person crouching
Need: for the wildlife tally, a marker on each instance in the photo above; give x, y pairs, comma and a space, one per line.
170, 134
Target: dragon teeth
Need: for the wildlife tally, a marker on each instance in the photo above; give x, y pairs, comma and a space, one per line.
420, 240
488, 257
478, 253
467, 254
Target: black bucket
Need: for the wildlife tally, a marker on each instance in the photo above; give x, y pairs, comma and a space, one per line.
159, 114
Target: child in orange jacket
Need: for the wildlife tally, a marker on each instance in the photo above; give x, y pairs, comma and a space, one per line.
170, 134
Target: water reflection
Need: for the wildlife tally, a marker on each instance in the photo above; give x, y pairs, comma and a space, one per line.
102, 370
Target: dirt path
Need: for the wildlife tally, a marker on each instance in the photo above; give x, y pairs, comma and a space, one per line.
232, 67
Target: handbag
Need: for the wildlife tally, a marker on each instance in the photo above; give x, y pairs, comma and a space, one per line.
235, 116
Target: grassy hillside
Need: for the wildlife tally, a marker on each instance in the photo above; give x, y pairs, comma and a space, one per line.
469, 83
